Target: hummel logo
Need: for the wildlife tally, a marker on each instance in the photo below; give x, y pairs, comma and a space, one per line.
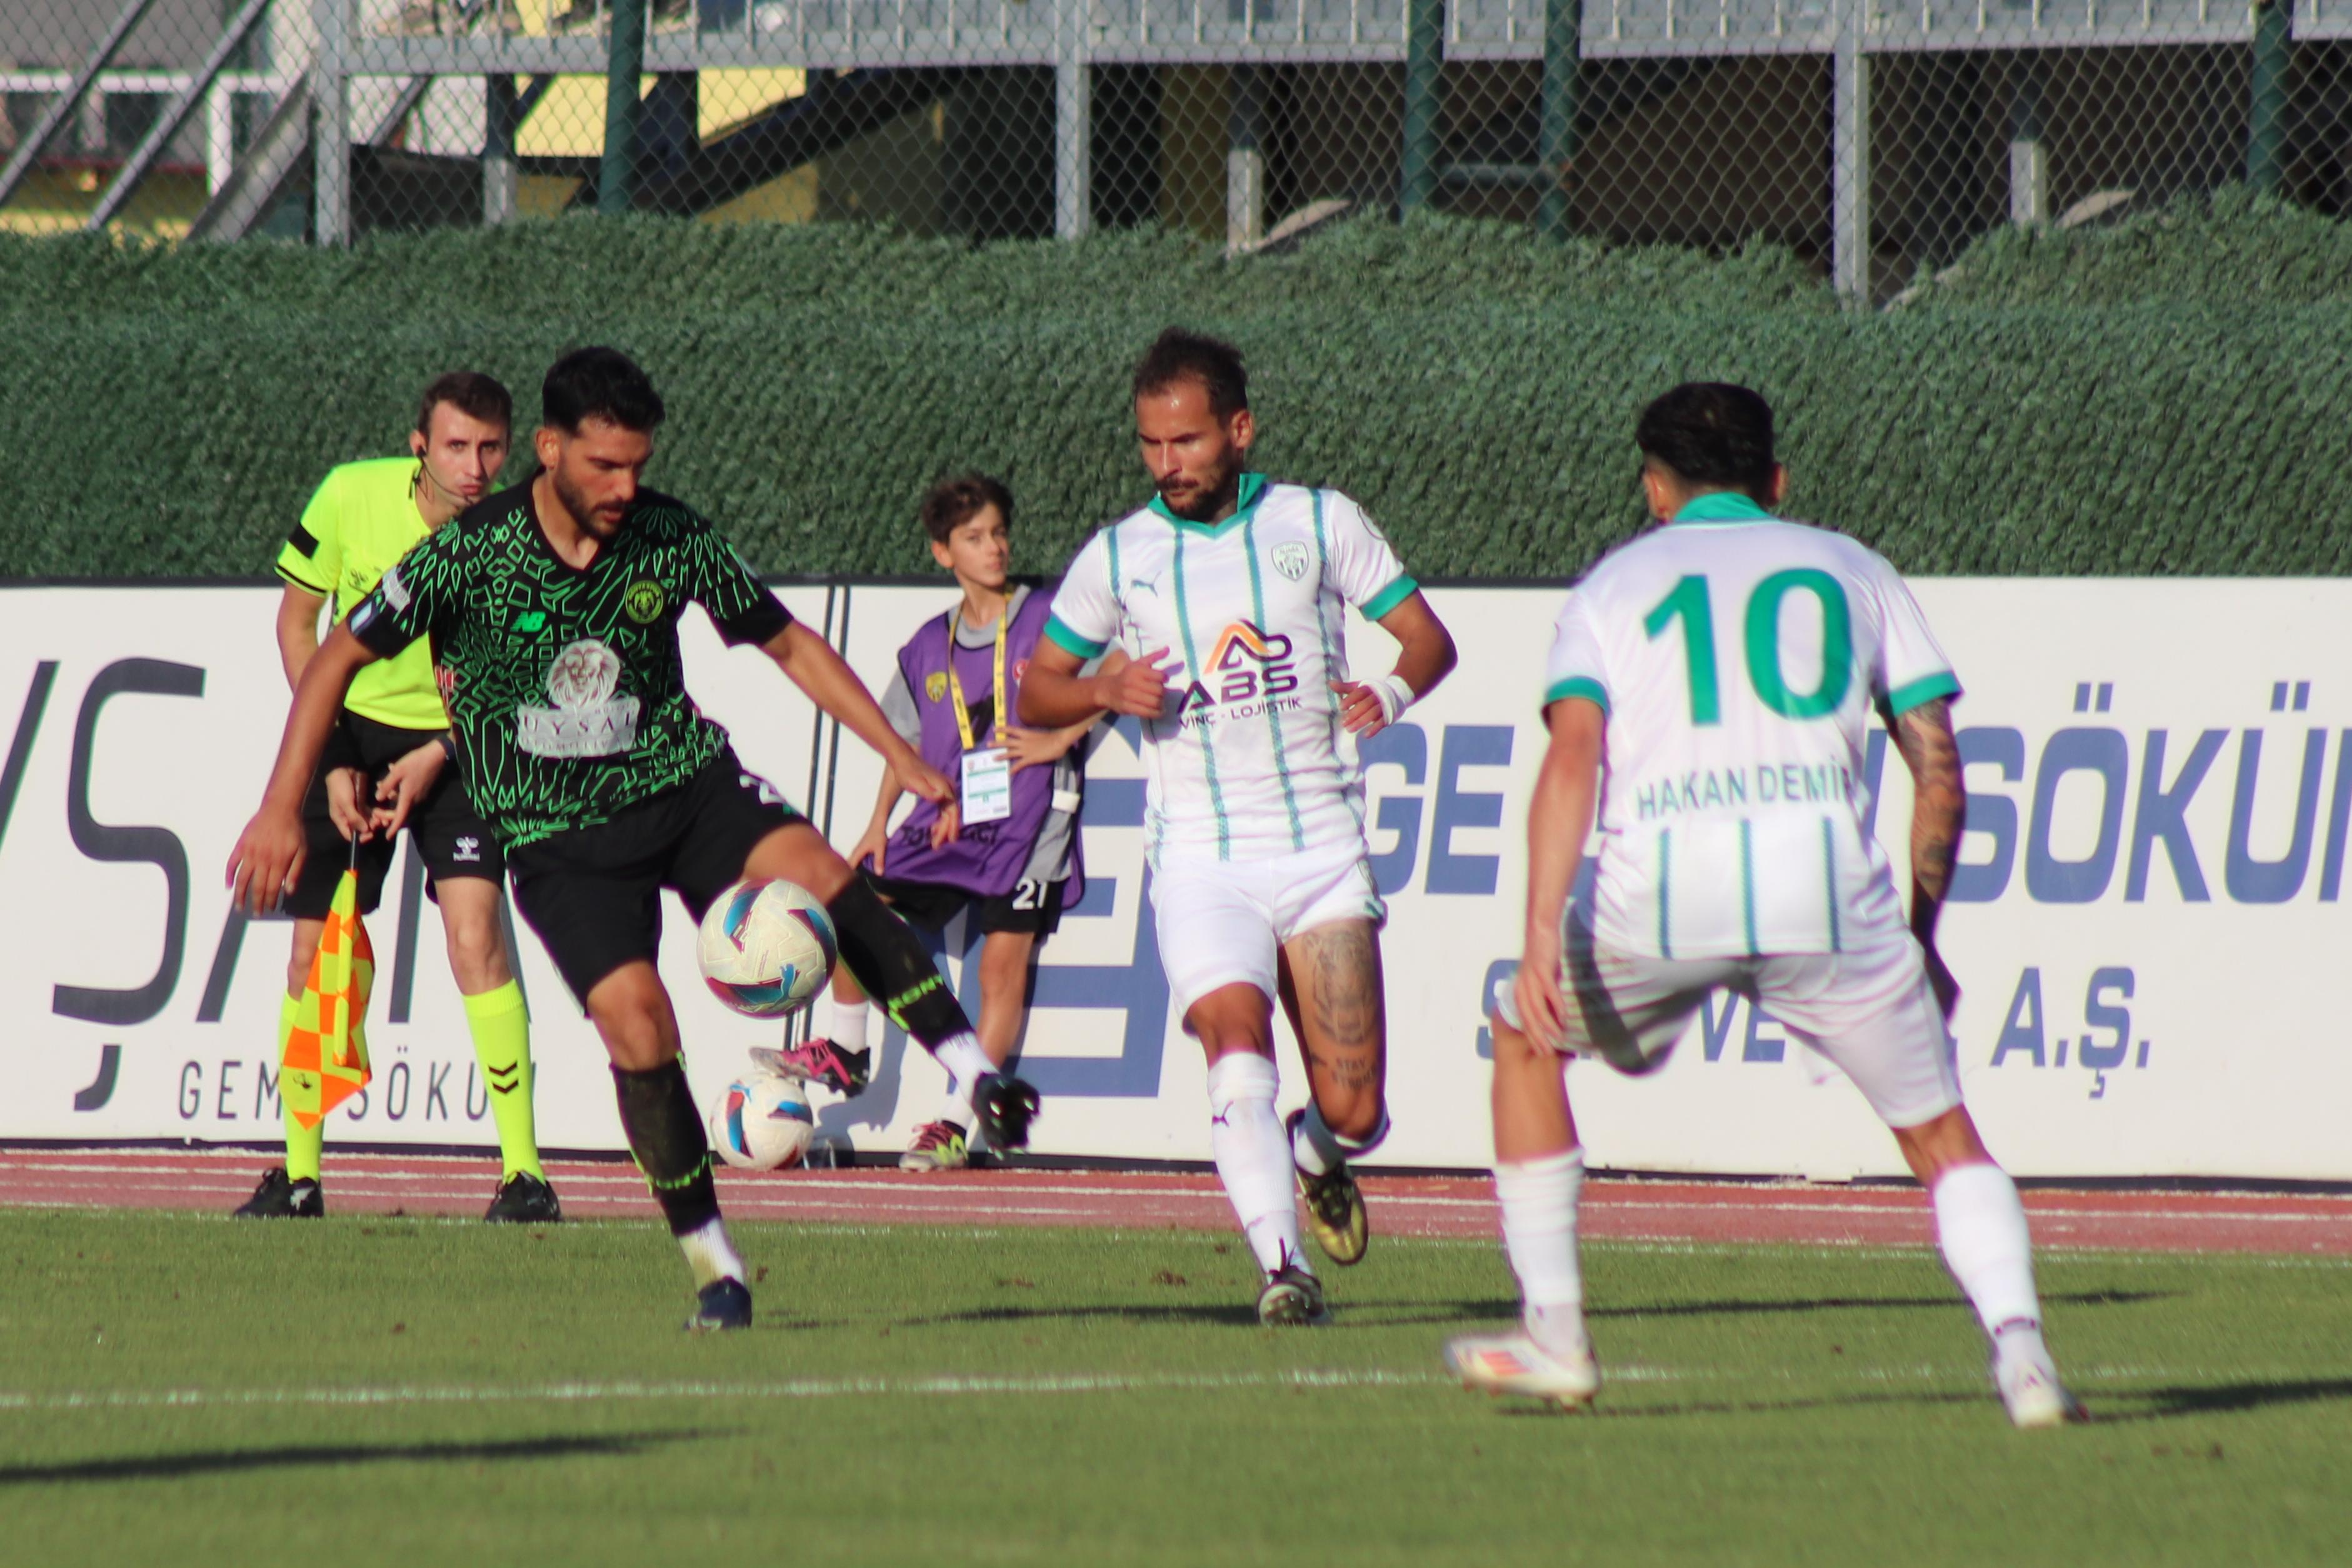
468, 849
530, 621
1142, 585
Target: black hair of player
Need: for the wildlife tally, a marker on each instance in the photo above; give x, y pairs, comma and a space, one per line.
1179, 355
471, 393
955, 501
599, 384
1712, 436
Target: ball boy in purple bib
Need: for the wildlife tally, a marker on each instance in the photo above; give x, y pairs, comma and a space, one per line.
1007, 847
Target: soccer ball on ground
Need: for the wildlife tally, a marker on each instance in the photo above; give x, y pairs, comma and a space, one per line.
767, 948
763, 1122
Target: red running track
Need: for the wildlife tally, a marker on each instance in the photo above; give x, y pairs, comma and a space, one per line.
218, 1179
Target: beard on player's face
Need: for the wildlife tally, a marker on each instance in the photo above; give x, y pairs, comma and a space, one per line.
584, 513
1198, 495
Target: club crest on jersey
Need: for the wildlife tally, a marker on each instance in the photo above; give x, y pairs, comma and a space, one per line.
645, 601
1247, 670
935, 685
1290, 559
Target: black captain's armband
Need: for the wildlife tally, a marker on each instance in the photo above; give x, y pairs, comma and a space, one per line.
303, 539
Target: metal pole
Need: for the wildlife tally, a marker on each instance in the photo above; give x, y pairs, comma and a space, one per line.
167, 125
2029, 163
1425, 59
1563, 63
1850, 158
624, 63
1245, 162
68, 102
2267, 106
1074, 153
331, 127
501, 174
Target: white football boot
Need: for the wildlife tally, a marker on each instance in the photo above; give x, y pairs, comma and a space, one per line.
2027, 1381
1515, 1364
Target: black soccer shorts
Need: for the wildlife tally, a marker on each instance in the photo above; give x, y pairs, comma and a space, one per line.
452, 841
593, 893
1035, 907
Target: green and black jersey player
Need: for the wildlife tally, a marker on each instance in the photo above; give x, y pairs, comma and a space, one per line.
553, 611
388, 767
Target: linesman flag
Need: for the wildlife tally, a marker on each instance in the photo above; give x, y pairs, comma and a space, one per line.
326, 1060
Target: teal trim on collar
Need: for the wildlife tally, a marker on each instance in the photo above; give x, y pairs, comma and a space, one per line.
1723, 507
1250, 491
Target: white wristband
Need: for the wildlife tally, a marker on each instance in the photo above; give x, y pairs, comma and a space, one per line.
1396, 695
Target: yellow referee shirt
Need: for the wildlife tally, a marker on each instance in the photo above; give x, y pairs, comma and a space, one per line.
360, 522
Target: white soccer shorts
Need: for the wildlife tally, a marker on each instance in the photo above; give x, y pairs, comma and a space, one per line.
1873, 1014
1222, 923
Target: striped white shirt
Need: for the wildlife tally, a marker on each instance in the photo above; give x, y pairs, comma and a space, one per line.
1251, 761
1739, 659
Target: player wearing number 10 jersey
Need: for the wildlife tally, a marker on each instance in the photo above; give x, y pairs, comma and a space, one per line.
1709, 690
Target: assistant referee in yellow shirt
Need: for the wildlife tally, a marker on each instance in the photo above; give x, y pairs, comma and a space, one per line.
391, 763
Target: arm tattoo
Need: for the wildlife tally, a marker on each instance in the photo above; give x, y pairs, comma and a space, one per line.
1939, 799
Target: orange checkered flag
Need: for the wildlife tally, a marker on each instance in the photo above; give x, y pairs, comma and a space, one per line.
326, 1060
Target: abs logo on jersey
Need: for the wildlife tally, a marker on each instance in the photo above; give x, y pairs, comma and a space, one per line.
1248, 670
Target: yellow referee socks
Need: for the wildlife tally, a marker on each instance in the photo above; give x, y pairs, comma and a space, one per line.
501, 1029
303, 1145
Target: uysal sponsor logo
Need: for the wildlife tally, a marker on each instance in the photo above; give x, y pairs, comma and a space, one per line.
1249, 672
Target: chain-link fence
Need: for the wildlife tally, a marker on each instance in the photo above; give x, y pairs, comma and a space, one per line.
1874, 138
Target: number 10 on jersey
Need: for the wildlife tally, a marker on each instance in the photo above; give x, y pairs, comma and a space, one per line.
1690, 604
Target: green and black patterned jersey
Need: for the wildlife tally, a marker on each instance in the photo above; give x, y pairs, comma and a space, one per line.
565, 687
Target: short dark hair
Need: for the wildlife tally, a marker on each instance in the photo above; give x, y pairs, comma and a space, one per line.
599, 384
955, 501
471, 393
1712, 433
1176, 355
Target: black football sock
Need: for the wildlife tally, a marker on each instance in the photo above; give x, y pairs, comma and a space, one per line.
891, 967
666, 1135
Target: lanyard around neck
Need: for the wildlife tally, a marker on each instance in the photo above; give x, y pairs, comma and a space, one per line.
955, 686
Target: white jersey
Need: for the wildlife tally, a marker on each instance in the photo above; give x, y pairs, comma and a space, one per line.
1739, 659
1251, 761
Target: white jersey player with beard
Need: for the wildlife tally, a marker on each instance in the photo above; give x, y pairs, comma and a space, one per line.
1229, 593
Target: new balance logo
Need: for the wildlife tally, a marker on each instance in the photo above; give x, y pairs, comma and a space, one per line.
530, 621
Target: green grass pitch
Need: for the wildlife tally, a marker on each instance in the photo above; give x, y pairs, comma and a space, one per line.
363, 1391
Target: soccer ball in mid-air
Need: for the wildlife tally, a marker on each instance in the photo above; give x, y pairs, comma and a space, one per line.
763, 1122
767, 948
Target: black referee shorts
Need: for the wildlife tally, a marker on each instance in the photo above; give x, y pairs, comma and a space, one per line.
593, 893
450, 838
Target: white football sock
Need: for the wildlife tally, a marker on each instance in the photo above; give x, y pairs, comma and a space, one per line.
1980, 1226
848, 1022
712, 1254
1314, 1148
1253, 1158
966, 1063
1539, 1199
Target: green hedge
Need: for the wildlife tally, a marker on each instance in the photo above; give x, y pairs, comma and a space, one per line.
169, 411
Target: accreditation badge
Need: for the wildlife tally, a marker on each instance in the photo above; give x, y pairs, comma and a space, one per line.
987, 786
